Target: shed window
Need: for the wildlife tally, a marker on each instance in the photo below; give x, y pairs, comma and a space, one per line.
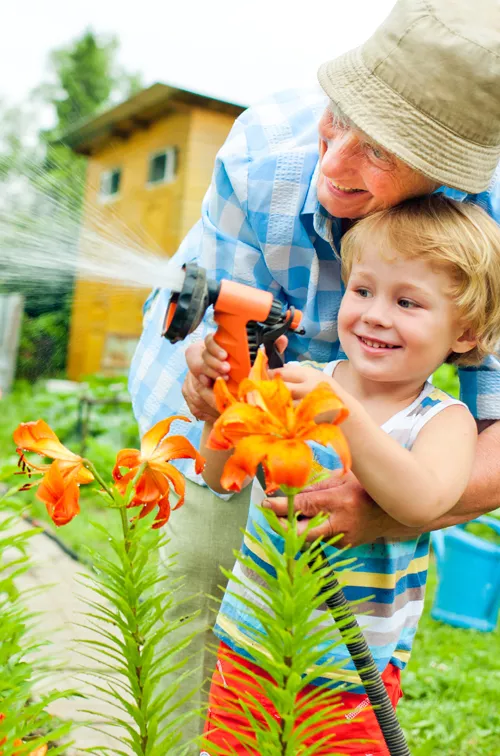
110, 182
162, 166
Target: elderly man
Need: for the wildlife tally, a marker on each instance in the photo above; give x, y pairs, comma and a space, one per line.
413, 111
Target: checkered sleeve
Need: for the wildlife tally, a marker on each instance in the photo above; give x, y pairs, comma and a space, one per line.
224, 243
480, 389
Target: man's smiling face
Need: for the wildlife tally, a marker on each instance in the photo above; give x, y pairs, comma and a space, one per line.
357, 176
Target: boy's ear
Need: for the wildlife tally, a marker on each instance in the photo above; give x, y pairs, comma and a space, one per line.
465, 342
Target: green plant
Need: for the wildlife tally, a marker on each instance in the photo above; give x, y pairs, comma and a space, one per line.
288, 643
127, 611
24, 655
43, 345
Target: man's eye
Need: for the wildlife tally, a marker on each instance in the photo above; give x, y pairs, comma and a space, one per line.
377, 153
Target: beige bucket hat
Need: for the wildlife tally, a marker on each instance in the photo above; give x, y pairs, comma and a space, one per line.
426, 86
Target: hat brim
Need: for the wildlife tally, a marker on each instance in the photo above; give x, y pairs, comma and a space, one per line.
403, 130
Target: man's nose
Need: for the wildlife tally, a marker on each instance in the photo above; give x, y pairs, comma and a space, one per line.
341, 156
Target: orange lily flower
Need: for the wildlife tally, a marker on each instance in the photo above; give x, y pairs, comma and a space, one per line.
264, 427
40, 751
153, 487
59, 487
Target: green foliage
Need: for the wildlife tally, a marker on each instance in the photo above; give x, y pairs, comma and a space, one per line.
289, 642
43, 344
84, 77
132, 595
23, 662
112, 426
87, 79
446, 378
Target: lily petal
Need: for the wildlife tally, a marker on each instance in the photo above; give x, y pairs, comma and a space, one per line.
216, 440
241, 420
60, 496
272, 396
331, 435
151, 486
163, 513
258, 371
175, 447
249, 453
128, 458
289, 463
222, 395
73, 469
178, 482
153, 437
37, 436
318, 402
233, 476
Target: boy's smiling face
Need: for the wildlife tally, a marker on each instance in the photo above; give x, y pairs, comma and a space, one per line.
397, 321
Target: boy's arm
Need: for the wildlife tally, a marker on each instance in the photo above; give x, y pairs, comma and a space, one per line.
214, 461
353, 514
414, 487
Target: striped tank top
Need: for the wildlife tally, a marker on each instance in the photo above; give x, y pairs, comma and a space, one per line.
386, 583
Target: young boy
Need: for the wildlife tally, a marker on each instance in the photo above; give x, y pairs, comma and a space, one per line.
422, 287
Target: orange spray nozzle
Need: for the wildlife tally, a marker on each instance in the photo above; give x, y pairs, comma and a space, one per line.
246, 318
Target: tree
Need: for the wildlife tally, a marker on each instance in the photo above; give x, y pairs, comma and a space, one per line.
47, 181
86, 79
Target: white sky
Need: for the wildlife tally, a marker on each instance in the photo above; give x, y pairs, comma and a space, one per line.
237, 50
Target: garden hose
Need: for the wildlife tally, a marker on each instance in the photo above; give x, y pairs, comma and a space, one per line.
365, 666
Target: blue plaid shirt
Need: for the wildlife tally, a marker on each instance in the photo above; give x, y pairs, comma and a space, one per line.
262, 225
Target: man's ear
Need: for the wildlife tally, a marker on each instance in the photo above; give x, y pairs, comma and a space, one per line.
465, 342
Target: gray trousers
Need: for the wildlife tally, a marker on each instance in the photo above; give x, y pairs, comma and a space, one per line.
203, 534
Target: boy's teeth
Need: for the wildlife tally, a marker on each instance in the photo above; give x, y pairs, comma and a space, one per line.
377, 344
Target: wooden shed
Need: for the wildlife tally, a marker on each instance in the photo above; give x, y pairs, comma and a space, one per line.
150, 161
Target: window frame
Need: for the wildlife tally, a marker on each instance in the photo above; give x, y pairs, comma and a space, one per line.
171, 160
108, 172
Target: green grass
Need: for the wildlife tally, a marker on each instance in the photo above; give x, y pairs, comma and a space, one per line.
451, 705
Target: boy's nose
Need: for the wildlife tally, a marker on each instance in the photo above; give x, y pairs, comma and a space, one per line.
377, 314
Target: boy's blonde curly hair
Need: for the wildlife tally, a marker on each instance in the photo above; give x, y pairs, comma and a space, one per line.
457, 237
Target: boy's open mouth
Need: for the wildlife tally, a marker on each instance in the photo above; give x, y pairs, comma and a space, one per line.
375, 344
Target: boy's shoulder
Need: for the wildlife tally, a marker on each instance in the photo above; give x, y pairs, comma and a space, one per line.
432, 395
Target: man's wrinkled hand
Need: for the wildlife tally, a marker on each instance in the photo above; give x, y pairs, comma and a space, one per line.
351, 512
199, 399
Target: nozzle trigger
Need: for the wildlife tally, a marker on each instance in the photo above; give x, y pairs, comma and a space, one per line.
269, 336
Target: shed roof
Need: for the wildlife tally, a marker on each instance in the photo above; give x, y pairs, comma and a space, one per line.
139, 112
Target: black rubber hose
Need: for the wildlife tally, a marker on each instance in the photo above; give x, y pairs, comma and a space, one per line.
366, 667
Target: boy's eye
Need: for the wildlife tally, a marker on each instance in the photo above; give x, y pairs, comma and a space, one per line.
362, 292
406, 304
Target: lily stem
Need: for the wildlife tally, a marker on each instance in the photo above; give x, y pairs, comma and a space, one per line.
135, 632
288, 660
99, 478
